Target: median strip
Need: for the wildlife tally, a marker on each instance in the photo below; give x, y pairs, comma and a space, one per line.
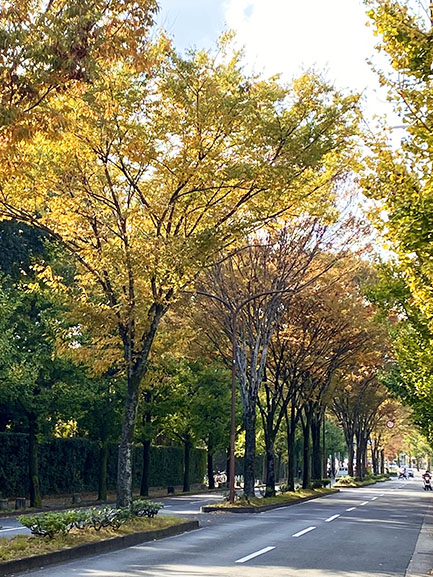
256, 554
300, 533
261, 504
25, 563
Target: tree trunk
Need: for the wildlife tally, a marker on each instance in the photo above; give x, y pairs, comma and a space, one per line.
187, 465
306, 426
211, 482
361, 451
382, 461
35, 494
350, 454
316, 469
373, 461
144, 488
324, 455
291, 464
228, 466
124, 465
270, 468
250, 451
136, 370
102, 480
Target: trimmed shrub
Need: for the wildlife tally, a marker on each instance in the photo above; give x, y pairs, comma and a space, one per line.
72, 466
316, 483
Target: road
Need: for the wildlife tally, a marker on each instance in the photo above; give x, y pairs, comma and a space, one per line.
356, 533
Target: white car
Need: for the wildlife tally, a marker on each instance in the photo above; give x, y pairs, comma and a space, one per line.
342, 472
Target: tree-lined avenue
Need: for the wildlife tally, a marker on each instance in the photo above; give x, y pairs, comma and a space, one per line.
372, 531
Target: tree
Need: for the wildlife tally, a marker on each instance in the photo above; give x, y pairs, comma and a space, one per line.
164, 170
97, 409
410, 377
51, 47
32, 373
401, 180
320, 332
248, 295
335, 442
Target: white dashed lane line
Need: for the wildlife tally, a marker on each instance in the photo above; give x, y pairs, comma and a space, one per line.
351, 509
329, 519
373, 498
300, 533
256, 554
363, 503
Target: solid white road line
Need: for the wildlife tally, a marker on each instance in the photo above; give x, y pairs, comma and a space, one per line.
256, 554
363, 503
12, 529
307, 530
351, 509
331, 518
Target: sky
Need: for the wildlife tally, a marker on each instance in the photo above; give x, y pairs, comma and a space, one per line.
286, 37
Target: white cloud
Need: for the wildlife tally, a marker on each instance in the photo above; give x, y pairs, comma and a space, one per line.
288, 36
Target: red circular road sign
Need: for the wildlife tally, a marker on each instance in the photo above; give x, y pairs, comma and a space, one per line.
390, 424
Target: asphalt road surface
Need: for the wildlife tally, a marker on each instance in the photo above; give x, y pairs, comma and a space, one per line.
356, 533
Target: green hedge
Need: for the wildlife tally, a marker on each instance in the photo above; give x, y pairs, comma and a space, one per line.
71, 465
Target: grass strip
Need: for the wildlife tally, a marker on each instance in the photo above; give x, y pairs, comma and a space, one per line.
23, 546
353, 482
277, 500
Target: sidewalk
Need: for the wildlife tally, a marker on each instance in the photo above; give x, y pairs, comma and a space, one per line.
62, 502
421, 563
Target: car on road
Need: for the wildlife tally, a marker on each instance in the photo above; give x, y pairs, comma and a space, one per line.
342, 472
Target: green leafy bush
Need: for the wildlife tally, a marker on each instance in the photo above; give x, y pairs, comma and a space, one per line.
108, 517
51, 524
47, 524
145, 508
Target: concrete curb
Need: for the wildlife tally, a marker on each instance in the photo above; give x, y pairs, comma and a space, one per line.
421, 563
106, 546
262, 508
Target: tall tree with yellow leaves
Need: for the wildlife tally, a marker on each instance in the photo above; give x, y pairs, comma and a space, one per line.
153, 171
